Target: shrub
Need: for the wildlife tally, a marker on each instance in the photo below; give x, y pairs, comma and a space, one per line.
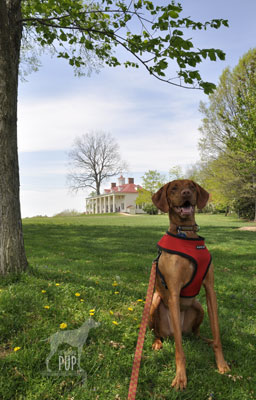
150, 209
245, 208
68, 213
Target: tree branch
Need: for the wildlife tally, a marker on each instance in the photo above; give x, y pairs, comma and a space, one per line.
113, 36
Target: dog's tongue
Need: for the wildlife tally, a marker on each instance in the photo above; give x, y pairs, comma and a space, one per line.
187, 210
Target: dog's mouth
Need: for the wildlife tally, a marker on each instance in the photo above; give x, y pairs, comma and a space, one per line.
186, 209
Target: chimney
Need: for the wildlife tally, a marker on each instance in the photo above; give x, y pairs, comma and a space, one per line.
113, 185
130, 180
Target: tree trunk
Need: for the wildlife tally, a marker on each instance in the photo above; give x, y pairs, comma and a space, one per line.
97, 187
254, 191
12, 252
255, 209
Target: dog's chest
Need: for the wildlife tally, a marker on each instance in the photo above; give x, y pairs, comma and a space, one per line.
192, 249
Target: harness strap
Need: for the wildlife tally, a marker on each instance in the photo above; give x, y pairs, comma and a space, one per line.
141, 336
158, 270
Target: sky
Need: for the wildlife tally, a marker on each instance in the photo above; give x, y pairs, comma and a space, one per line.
155, 124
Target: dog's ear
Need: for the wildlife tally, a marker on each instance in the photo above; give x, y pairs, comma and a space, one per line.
160, 199
202, 196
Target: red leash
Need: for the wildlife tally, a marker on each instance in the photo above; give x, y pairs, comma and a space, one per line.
141, 336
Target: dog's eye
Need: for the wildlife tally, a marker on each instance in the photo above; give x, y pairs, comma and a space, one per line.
174, 188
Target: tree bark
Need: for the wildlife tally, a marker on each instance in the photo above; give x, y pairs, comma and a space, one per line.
12, 251
254, 191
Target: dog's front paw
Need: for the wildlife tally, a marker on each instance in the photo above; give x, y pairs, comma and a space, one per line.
180, 381
157, 345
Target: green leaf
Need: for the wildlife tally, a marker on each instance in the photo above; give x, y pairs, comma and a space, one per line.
173, 14
149, 5
89, 45
221, 54
138, 4
212, 55
208, 87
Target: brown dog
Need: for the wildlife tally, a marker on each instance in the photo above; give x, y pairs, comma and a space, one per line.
171, 312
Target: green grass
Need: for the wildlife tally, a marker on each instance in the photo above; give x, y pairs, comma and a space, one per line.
87, 255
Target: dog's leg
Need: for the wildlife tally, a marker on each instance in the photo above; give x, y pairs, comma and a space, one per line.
180, 380
213, 317
193, 318
155, 303
157, 345
199, 317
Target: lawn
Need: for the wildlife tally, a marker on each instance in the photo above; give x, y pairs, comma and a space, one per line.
98, 267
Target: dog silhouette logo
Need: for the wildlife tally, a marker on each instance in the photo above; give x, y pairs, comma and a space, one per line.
75, 338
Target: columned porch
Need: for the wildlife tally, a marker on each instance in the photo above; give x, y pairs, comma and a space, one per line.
105, 204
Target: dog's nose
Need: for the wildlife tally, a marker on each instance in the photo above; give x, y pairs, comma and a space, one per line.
186, 193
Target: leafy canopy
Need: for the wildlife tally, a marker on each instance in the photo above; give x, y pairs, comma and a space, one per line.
151, 182
150, 33
229, 124
228, 141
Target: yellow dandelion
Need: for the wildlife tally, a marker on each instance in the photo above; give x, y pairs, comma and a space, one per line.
139, 300
130, 308
77, 294
43, 291
116, 292
115, 284
114, 322
16, 348
63, 325
111, 312
92, 310
91, 314
82, 300
57, 284
47, 307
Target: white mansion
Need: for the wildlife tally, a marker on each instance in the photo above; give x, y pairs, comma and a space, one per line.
119, 198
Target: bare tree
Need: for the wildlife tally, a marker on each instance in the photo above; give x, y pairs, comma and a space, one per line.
94, 158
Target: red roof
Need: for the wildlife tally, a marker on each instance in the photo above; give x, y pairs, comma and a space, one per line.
128, 188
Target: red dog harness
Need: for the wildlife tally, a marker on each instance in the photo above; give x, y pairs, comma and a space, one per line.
193, 249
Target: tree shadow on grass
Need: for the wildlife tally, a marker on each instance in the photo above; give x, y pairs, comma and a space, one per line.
80, 242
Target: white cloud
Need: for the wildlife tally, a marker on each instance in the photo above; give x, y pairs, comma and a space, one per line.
51, 124
50, 202
151, 131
